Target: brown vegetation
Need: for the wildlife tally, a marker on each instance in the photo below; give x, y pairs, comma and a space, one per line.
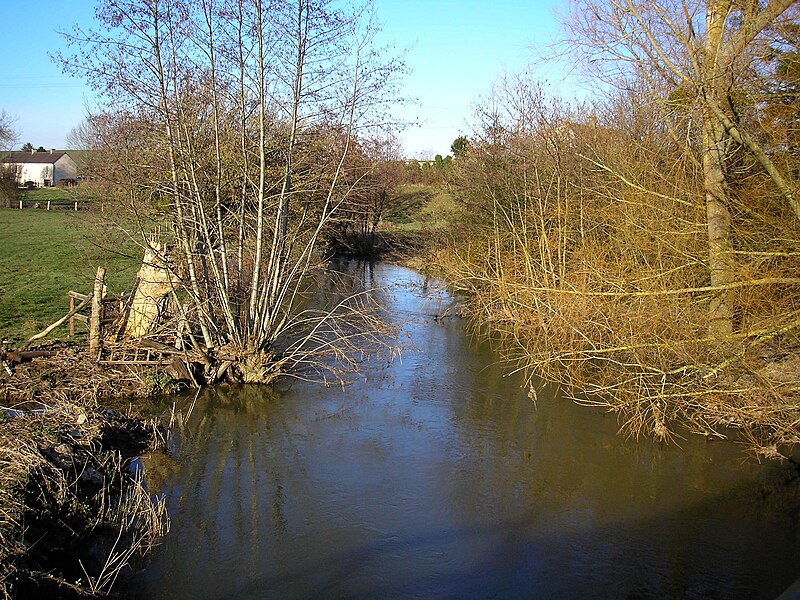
69, 371
73, 515
592, 238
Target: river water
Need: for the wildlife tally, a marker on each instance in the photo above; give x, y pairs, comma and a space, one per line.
436, 476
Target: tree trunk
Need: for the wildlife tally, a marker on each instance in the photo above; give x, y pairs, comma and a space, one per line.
96, 319
718, 216
155, 282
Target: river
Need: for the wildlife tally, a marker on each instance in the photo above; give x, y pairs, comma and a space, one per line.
436, 476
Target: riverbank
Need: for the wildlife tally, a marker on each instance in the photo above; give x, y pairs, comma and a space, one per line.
73, 514
643, 357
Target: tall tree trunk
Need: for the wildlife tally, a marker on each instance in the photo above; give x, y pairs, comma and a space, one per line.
719, 232
255, 282
717, 203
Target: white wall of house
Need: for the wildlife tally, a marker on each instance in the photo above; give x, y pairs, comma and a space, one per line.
35, 172
46, 174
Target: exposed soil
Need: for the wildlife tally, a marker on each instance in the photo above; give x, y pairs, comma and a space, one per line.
71, 373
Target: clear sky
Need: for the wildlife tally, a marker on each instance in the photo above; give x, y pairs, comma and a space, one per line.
457, 48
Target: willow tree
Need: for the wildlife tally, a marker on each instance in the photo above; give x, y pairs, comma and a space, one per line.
242, 98
701, 50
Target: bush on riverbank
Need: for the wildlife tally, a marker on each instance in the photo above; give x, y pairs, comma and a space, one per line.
586, 245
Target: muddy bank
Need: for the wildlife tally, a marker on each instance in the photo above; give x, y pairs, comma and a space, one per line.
68, 372
73, 515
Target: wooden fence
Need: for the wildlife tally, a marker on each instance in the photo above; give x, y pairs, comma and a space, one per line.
73, 205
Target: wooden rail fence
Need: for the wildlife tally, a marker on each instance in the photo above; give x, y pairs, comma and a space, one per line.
49, 205
76, 298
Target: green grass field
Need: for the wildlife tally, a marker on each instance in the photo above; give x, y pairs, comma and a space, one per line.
59, 197
47, 253
415, 207
54, 194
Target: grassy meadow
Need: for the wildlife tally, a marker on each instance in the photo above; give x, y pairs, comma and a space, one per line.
46, 254
415, 206
43, 195
59, 197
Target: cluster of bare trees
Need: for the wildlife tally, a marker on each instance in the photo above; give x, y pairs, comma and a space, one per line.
643, 249
239, 129
7, 133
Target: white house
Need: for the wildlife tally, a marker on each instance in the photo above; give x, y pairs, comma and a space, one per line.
41, 169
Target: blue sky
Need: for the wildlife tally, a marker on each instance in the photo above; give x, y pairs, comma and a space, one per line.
456, 50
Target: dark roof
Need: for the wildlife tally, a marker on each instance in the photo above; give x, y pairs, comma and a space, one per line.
32, 157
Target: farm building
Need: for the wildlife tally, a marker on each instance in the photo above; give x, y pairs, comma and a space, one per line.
41, 169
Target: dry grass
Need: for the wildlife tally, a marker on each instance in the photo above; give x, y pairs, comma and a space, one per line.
592, 266
72, 516
74, 375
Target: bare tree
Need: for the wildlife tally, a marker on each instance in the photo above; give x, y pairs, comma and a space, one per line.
700, 50
8, 174
82, 136
239, 99
8, 135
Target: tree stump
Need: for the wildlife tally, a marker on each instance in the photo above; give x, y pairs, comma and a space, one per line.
156, 281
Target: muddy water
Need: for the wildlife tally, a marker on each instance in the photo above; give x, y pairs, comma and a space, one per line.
437, 477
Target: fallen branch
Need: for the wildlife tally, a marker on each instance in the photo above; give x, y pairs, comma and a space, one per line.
16, 356
61, 321
672, 292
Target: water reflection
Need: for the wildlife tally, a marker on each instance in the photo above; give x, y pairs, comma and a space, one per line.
435, 476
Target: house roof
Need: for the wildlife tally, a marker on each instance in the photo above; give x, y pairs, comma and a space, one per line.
44, 158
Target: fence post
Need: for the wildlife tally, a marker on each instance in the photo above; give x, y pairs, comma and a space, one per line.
76, 205
71, 319
48, 205
96, 320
